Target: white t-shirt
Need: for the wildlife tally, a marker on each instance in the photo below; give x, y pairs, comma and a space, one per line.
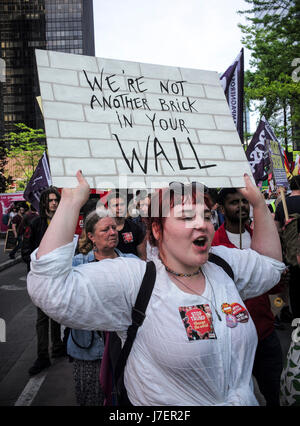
235, 239
164, 366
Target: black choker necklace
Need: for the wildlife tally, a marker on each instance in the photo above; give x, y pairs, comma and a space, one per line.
181, 275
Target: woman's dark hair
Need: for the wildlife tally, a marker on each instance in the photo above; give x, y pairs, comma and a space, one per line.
44, 200
117, 193
223, 194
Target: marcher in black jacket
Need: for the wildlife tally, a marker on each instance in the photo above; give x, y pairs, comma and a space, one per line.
33, 235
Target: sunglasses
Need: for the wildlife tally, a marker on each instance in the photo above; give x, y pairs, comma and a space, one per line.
181, 188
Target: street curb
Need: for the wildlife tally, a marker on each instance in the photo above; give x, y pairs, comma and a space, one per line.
9, 263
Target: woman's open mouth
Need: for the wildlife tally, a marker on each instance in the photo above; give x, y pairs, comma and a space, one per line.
201, 243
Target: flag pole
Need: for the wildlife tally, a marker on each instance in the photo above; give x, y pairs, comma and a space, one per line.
286, 214
240, 227
39, 101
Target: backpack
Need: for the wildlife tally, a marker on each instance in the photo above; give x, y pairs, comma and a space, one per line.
119, 356
290, 376
289, 240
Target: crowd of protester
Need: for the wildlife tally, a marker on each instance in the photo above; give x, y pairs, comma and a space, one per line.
119, 226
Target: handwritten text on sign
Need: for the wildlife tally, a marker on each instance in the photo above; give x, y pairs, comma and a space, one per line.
127, 124
116, 101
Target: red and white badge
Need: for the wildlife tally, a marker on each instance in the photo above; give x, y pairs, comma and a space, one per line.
198, 323
234, 313
240, 312
127, 237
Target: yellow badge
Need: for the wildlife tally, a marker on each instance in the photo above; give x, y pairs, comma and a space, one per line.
226, 308
278, 302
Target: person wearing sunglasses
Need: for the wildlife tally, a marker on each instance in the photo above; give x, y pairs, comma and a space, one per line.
167, 365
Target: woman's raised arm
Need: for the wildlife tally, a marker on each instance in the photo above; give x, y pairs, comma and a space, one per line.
63, 224
265, 239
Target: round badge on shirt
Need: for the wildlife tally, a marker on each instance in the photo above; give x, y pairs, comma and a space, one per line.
235, 313
240, 312
231, 321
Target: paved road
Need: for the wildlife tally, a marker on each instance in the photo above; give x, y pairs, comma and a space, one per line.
54, 386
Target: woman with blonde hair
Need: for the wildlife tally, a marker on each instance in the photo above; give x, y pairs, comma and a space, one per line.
98, 241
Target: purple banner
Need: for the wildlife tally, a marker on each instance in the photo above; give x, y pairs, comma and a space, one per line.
233, 84
40, 180
258, 151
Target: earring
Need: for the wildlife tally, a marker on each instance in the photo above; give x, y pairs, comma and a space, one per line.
95, 248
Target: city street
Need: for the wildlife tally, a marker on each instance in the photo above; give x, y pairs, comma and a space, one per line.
54, 386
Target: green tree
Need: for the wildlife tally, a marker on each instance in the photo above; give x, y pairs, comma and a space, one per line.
26, 146
5, 180
273, 36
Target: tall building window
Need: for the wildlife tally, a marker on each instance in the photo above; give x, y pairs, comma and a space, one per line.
63, 25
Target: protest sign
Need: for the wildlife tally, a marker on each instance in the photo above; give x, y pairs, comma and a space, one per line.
6, 203
39, 181
278, 169
258, 150
10, 240
135, 125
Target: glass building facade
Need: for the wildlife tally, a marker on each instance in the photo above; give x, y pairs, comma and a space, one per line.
26, 25
2, 80
69, 26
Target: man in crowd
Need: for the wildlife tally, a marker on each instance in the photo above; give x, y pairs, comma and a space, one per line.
30, 214
293, 206
141, 204
131, 236
235, 233
33, 235
17, 230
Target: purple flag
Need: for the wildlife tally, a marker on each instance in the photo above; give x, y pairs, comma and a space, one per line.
40, 180
233, 84
258, 150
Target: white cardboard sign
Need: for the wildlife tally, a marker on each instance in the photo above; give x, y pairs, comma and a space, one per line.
135, 125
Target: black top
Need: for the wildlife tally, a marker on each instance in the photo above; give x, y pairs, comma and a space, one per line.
17, 220
293, 206
130, 237
33, 234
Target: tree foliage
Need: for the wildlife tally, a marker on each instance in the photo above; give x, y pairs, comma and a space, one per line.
5, 180
25, 146
272, 35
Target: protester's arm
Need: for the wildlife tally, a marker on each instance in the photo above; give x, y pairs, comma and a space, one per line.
265, 239
14, 228
63, 224
92, 296
254, 274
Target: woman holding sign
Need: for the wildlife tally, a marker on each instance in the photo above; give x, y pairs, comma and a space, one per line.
197, 343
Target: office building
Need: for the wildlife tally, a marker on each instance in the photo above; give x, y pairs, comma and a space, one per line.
2, 80
26, 25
